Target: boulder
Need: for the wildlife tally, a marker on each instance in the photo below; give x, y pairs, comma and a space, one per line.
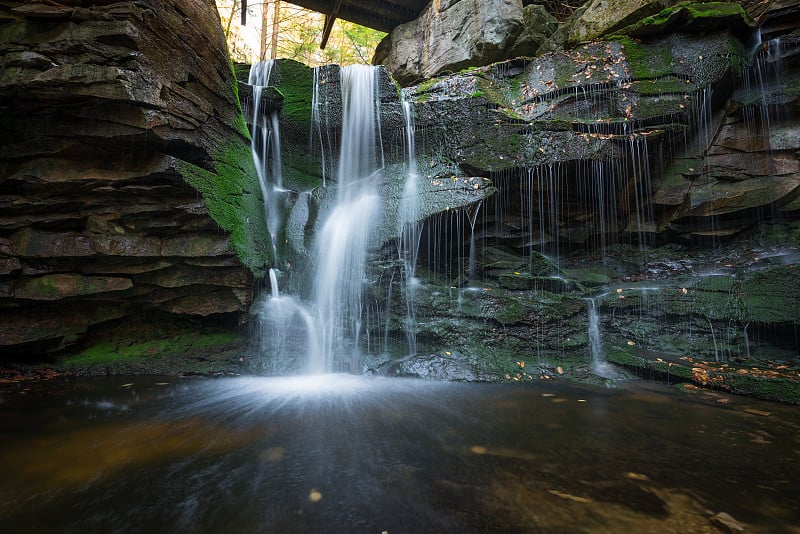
451, 35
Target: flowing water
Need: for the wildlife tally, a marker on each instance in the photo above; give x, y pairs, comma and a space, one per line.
339, 453
266, 150
331, 322
342, 241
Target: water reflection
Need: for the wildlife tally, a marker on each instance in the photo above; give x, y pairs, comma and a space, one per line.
340, 453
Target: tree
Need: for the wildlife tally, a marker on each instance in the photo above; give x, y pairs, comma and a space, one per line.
281, 30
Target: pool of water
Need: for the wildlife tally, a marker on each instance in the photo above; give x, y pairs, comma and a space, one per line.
340, 453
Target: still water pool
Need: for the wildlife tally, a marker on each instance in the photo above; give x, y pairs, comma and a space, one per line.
340, 453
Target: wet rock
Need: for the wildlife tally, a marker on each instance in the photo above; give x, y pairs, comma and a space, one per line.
453, 366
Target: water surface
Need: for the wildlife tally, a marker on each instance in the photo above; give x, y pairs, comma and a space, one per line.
340, 453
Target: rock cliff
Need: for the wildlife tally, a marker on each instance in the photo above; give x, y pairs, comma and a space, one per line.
121, 136
657, 170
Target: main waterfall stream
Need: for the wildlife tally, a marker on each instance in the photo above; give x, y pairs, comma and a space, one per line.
330, 324
341, 453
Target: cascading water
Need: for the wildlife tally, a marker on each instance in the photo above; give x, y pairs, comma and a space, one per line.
409, 227
341, 242
288, 329
266, 149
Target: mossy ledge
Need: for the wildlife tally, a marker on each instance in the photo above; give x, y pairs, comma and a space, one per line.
213, 351
763, 382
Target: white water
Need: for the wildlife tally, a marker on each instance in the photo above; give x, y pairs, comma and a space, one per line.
342, 240
266, 149
599, 366
408, 228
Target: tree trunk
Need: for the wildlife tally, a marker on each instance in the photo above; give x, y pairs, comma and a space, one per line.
276, 19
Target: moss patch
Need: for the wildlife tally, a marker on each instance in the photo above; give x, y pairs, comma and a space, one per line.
232, 196
693, 17
108, 354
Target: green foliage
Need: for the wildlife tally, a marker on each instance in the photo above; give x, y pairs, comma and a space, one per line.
299, 32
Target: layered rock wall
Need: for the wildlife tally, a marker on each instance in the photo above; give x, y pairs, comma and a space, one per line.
125, 176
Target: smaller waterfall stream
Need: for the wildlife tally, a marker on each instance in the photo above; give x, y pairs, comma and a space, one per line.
266, 149
409, 228
599, 366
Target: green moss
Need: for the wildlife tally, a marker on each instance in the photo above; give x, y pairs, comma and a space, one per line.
670, 84
627, 358
692, 16
511, 313
230, 192
646, 60
240, 124
297, 85
108, 354
775, 389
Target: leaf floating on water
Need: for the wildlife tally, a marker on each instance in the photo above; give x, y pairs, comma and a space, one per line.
756, 412
548, 395
636, 476
129, 384
162, 383
478, 449
726, 520
568, 496
314, 496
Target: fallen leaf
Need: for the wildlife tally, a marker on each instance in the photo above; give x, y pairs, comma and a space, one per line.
727, 521
636, 476
756, 412
569, 497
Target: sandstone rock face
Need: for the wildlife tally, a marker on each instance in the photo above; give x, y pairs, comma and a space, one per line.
108, 109
451, 35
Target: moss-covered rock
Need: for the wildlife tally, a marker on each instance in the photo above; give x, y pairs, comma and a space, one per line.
233, 199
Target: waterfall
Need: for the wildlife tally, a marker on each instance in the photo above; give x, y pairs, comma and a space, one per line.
599, 366
266, 149
409, 227
341, 242
287, 327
